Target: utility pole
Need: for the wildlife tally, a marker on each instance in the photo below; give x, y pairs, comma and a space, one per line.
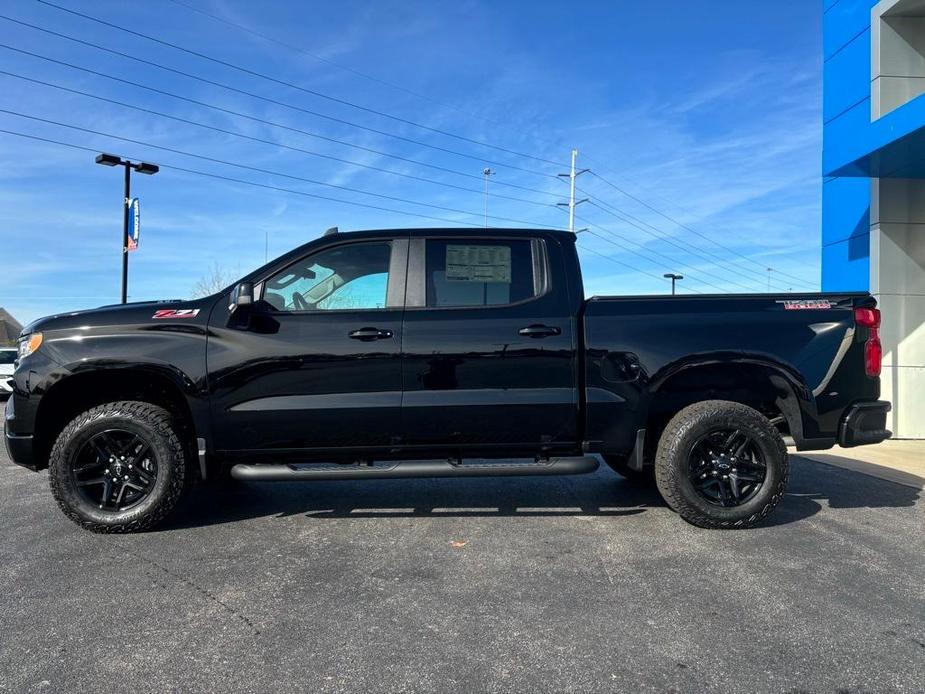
572, 202
142, 168
487, 173
674, 278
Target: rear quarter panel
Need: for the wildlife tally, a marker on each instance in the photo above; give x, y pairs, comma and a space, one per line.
634, 345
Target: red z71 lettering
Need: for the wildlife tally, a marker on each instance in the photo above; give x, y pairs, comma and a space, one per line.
175, 313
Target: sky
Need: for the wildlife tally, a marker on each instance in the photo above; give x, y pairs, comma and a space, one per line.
700, 124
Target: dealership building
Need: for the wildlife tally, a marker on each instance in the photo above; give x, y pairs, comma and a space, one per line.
873, 200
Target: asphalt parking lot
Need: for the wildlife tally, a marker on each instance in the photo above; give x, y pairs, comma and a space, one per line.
580, 584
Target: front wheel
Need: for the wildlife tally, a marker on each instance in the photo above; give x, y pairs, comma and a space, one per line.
119, 467
721, 465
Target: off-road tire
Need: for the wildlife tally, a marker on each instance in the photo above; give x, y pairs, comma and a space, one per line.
158, 428
672, 461
619, 464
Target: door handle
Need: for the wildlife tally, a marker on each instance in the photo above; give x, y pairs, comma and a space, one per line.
370, 334
539, 331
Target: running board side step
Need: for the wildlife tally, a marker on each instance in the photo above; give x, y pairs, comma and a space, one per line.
406, 469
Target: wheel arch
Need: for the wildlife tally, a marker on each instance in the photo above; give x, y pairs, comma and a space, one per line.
88, 386
773, 388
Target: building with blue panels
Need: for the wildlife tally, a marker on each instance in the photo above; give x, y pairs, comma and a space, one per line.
873, 201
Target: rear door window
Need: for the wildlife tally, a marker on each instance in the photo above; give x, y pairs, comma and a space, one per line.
480, 272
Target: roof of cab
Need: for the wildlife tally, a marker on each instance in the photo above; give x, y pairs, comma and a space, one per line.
455, 231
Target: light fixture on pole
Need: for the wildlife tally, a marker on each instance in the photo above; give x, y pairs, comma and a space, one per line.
142, 168
674, 278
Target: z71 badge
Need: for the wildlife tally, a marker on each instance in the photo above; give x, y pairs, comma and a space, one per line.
175, 313
806, 304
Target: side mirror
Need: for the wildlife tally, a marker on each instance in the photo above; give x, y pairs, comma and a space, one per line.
243, 296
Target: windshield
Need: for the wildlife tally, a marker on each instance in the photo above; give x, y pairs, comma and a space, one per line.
7, 356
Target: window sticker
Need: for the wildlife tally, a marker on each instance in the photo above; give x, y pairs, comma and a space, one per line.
478, 263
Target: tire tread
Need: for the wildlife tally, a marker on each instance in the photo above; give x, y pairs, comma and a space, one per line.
667, 449
163, 425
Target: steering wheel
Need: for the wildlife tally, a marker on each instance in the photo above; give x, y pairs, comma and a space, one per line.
299, 302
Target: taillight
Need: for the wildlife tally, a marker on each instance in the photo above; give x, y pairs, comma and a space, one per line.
873, 351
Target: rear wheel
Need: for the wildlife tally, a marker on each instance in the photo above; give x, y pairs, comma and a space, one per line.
721, 465
119, 467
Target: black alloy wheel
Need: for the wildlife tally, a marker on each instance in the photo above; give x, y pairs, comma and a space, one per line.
721, 464
121, 467
727, 467
115, 469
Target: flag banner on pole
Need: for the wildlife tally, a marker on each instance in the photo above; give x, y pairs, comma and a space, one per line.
134, 227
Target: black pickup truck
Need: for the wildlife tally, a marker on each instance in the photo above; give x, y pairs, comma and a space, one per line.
440, 353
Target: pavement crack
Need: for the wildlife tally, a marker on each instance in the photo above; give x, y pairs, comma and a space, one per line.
204, 592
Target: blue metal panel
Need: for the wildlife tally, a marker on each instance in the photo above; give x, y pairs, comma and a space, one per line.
846, 265
842, 22
845, 139
845, 209
846, 77
854, 146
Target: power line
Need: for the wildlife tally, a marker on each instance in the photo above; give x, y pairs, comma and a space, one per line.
684, 226
298, 108
628, 219
292, 85
266, 186
258, 169
103, 134
661, 234
627, 265
656, 261
267, 99
307, 194
270, 142
345, 102
255, 119
328, 61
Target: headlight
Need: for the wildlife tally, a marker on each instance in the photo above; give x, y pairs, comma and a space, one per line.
28, 344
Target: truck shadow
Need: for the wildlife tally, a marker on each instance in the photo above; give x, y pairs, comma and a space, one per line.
603, 493
600, 494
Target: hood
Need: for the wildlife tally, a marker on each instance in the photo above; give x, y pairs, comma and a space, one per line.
124, 314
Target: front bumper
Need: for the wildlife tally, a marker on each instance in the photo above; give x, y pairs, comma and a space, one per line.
864, 423
18, 446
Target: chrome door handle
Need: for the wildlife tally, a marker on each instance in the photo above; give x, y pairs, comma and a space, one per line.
539, 331
370, 334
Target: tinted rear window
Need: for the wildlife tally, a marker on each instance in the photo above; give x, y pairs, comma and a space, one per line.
478, 272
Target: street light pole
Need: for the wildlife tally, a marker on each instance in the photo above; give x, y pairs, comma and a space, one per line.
142, 168
674, 278
126, 203
487, 173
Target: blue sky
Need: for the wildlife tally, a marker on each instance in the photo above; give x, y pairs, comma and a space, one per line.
706, 113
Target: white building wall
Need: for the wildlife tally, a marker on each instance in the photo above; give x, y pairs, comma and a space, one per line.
897, 266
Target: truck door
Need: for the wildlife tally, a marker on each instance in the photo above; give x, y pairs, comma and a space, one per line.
319, 364
489, 345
